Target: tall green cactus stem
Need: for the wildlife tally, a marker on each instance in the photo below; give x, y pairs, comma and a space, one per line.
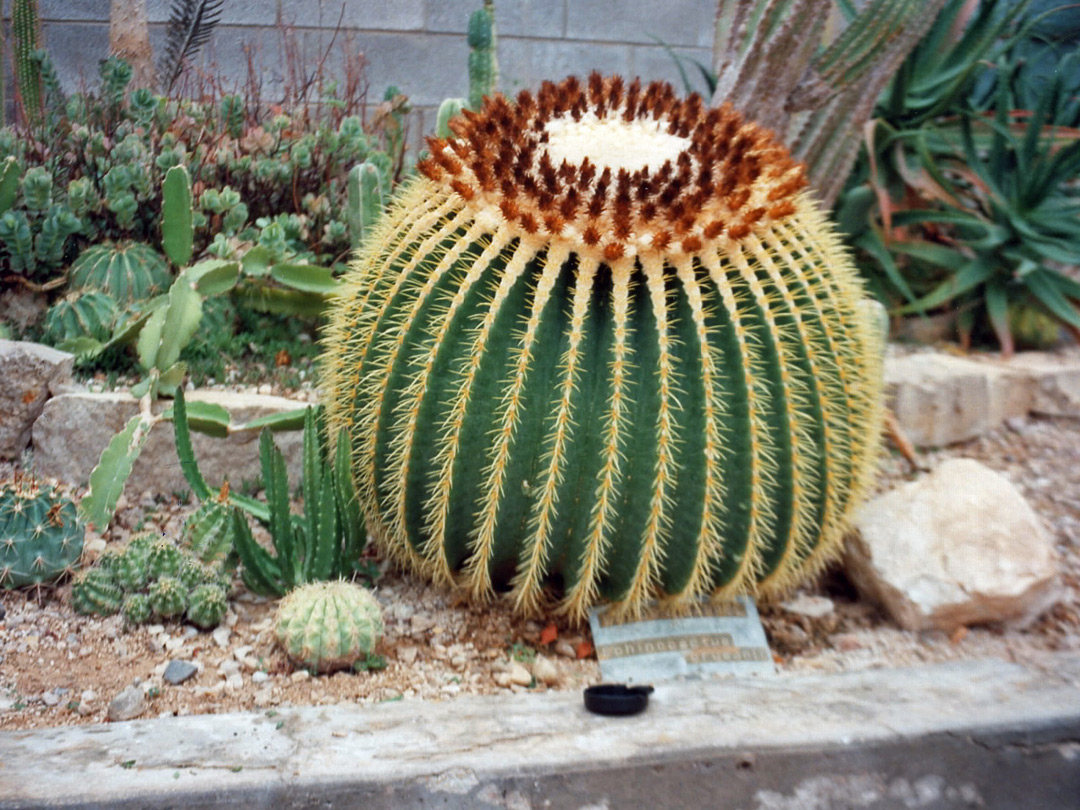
41, 537
177, 216
483, 64
605, 346
24, 32
368, 195
328, 625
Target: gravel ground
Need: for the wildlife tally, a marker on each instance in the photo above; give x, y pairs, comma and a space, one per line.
58, 668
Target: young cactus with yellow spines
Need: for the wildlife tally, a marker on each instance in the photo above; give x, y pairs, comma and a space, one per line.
606, 348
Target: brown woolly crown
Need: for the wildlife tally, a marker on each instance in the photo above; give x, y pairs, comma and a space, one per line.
616, 168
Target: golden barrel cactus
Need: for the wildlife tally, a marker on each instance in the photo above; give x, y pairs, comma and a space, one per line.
606, 348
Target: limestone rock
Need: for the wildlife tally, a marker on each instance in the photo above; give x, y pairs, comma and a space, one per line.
1054, 381
29, 374
958, 547
939, 399
74, 428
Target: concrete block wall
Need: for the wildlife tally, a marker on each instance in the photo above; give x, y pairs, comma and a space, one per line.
419, 45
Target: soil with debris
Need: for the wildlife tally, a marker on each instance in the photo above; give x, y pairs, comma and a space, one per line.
59, 668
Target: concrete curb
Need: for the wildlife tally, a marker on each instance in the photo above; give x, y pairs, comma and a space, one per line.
967, 734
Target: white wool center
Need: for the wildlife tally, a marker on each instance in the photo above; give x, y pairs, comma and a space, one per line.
612, 142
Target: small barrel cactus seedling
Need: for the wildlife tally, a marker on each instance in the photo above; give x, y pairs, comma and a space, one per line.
606, 347
328, 625
95, 592
207, 605
136, 608
41, 537
132, 569
168, 597
89, 314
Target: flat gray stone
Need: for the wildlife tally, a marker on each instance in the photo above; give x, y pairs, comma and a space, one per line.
74, 428
177, 671
969, 734
127, 705
29, 374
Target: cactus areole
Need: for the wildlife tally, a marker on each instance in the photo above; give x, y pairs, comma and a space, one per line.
606, 348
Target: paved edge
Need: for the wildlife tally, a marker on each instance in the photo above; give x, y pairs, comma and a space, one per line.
965, 734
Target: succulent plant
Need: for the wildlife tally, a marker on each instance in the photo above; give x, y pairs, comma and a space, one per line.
207, 605
128, 271
168, 597
41, 537
95, 592
136, 608
164, 559
90, 314
132, 569
605, 346
328, 625
209, 531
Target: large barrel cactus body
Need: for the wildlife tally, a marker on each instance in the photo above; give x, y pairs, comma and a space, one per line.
606, 348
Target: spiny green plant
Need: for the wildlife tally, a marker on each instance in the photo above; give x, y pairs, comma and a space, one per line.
328, 625
89, 314
127, 271
606, 347
207, 605
41, 537
168, 597
24, 31
324, 543
95, 592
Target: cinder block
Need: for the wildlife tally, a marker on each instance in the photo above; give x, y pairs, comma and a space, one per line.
676, 22
556, 59
539, 19
76, 48
87, 10
654, 63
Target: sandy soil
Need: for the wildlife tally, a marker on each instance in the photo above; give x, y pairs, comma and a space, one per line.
59, 668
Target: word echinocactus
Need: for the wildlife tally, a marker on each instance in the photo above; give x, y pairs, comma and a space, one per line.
606, 347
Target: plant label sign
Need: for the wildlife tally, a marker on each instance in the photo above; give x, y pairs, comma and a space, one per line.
723, 638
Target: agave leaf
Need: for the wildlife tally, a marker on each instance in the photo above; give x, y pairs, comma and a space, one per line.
1045, 287
968, 277
112, 472
997, 308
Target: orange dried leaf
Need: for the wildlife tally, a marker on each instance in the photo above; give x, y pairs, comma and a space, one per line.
584, 649
282, 358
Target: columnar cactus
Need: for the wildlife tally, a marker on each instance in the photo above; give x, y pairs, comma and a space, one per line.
41, 537
606, 347
328, 625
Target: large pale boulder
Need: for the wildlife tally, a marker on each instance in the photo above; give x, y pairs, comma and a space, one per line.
74, 429
29, 374
939, 399
960, 546
1053, 380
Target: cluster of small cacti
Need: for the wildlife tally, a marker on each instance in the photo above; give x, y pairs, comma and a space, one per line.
35, 229
606, 348
152, 577
328, 625
41, 537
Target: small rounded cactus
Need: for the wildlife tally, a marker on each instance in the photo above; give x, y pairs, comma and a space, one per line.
168, 597
164, 559
328, 625
132, 568
209, 531
90, 314
606, 347
136, 608
95, 593
41, 537
207, 605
